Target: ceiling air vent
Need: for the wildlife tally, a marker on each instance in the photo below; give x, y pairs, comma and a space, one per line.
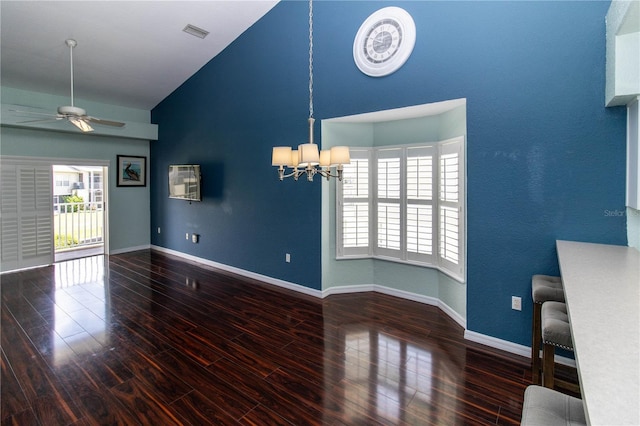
195, 31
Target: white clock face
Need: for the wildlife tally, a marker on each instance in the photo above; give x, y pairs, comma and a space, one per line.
384, 41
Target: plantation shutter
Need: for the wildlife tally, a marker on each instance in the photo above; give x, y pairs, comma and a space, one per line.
26, 221
388, 206
354, 205
9, 218
406, 204
451, 235
419, 221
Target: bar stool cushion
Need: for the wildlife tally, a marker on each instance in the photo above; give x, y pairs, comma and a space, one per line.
546, 288
555, 325
543, 406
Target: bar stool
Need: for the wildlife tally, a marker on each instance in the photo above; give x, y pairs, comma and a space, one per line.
547, 407
556, 333
544, 288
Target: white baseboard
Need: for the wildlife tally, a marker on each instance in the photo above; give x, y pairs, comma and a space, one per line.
462, 322
483, 339
348, 289
129, 249
511, 347
496, 343
360, 288
269, 280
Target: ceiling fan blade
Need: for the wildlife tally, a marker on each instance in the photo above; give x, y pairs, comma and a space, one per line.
42, 120
55, 116
104, 122
80, 123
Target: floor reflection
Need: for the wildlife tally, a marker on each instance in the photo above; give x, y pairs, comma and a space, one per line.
161, 341
82, 308
389, 379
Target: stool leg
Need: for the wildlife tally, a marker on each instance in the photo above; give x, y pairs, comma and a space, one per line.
548, 365
536, 334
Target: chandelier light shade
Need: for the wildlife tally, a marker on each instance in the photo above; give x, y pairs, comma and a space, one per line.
281, 156
339, 155
307, 159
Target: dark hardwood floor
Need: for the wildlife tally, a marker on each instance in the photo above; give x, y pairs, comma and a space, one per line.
147, 338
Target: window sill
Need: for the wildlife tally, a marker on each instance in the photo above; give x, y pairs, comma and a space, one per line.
460, 279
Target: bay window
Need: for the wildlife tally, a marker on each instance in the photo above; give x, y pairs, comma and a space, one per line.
404, 204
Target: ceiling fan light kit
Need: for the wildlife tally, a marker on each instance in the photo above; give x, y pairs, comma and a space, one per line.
71, 110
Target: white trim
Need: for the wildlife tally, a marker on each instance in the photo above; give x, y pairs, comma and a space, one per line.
54, 161
473, 336
280, 283
11, 271
130, 249
348, 289
462, 322
361, 288
427, 300
511, 347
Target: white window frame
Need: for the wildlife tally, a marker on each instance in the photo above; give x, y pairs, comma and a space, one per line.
435, 257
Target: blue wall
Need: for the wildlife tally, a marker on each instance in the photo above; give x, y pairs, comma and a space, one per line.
545, 158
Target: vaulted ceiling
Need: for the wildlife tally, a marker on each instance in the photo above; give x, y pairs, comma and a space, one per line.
129, 53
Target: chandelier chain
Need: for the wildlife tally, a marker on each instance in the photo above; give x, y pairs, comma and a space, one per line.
310, 58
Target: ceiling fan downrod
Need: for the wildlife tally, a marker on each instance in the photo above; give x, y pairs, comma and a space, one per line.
71, 43
72, 109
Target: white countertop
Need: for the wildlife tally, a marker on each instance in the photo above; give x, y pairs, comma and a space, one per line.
602, 290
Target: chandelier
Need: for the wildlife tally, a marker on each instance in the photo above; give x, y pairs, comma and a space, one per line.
307, 159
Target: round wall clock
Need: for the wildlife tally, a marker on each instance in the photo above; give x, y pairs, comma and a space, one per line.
384, 41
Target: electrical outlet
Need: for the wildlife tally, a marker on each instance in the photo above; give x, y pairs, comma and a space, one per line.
186, 237
516, 303
287, 258
195, 238
158, 229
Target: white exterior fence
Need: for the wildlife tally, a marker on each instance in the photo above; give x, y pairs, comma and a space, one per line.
78, 224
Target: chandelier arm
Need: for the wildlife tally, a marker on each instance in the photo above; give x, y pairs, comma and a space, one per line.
295, 173
326, 173
310, 171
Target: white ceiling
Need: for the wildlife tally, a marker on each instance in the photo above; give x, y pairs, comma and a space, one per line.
129, 53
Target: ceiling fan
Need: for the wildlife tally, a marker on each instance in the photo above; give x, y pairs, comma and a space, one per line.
75, 115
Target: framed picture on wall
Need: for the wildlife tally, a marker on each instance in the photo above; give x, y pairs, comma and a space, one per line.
132, 170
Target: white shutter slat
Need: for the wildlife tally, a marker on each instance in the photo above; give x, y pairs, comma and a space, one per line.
355, 181
449, 175
9, 187
9, 242
389, 226
353, 207
355, 225
419, 212
43, 189
36, 221
8, 217
389, 178
419, 229
420, 178
388, 211
449, 239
